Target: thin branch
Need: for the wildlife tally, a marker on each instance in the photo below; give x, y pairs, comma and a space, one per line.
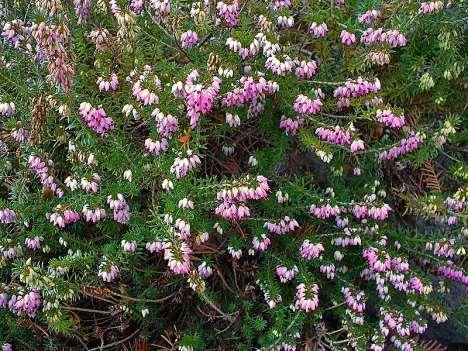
102, 347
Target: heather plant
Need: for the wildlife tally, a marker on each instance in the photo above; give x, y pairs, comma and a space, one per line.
236, 175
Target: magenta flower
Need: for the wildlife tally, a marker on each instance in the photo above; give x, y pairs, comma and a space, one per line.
188, 39
347, 38
407, 145
120, 208
96, 118
230, 13
25, 304
285, 274
311, 251
306, 106
318, 30
7, 216
108, 271
178, 256
307, 297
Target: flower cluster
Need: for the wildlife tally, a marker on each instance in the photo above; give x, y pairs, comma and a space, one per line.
42, 171
369, 16
284, 226
140, 91
108, 271
112, 83
230, 13
387, 118
7, 216
307, 297
407, 145
311, 251
306, 106
285, 274
378, 36
96, 118
188, 39
291, 125
233, 197
7, 109
431, 6
25, 304
63, 216
215, 105
120, 208
318, 30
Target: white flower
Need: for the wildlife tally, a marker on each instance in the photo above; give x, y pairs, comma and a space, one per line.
72, 183
252, 161
128, 175
185, 203
167, 185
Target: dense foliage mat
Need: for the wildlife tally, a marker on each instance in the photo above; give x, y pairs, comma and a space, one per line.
235, 175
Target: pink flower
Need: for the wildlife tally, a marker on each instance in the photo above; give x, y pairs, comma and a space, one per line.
230, 13
156, 147
318, 30
136, 6
7, 109
7, 216
198, 100
128, 246
42, 171
387, 118
336, 136
108, 271
34, 243
358, 87
261, 243
155, 246
307, 297
311, 251
205, 270
177, 254
431, 6
379, 213
182, 166
407, 145
279, 67
378, 36
63, 216
306, 106
356, 302
284, 226
249, 91
369, 16
286, 274
232, 211
329, 270
306, 69
378, 261
93, 215
25, 304
232, 120
139, 90
188, 39
120, 208
324, 211
96, 118
290, 125
357, 145
347, 38
112, 83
